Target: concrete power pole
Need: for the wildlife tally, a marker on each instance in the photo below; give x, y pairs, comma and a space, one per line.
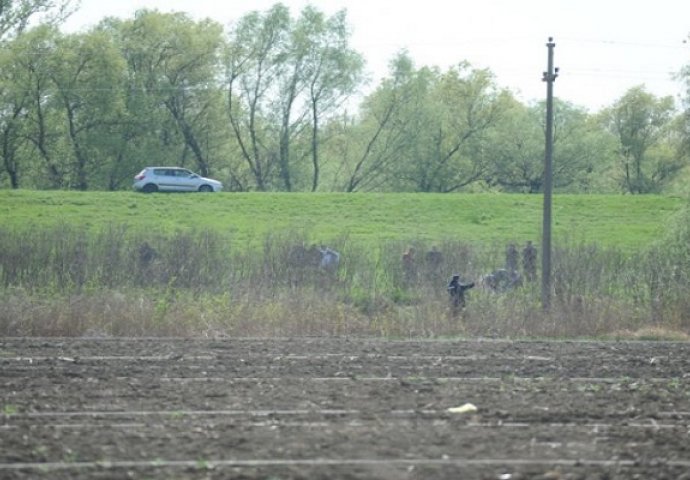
549, 77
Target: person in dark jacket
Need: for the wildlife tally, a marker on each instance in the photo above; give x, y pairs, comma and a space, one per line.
512, 257
529, 261
456, 290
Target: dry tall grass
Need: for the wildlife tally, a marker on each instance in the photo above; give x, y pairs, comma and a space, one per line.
64, 283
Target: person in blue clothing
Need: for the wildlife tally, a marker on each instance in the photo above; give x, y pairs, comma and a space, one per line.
330, 259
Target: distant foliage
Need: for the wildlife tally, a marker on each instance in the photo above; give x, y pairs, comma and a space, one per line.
271, 103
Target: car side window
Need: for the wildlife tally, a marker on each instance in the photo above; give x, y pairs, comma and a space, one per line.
160, 171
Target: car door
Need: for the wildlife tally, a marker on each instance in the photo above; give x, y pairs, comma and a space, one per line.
187, 181
166, 179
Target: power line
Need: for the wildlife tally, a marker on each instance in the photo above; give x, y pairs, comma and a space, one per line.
679, 46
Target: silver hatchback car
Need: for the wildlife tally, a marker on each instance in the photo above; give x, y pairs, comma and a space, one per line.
173, 179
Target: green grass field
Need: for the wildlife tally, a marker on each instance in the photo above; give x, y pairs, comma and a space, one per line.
626, 222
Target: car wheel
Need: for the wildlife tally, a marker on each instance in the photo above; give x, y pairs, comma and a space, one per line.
149, 188
205, 188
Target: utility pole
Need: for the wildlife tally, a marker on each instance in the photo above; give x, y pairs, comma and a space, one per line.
549, 77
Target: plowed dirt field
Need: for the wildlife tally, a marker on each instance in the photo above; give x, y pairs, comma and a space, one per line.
328, 408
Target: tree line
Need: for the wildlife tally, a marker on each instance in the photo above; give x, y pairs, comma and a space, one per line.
267, 103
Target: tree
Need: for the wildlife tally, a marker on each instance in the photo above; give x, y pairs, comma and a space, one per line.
86, 71
582, 157
515, 149
640, 121
372, 147
253, 63
145, 134
466, 104
43, 122
16, 14
684, 122
422, 130
335, 72
173, 65
283, 77
15, 100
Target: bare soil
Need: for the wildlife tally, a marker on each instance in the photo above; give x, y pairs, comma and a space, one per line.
325, 408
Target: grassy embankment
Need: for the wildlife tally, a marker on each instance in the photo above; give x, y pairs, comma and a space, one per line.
72, 264
626, 222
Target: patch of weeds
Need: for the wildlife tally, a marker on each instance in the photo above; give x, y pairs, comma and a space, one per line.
401, 296
176, 415
674, 383
165, 302
367, 303
653, 334
481, 219
70, 456
9, 410
40, 451
589, 387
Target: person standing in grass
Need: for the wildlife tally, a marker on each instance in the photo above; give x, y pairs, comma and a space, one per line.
330, 259
434, 259
529, 261
456, 290
409, 268
512, 258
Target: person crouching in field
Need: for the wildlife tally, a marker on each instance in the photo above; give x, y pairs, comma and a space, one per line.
456, 290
